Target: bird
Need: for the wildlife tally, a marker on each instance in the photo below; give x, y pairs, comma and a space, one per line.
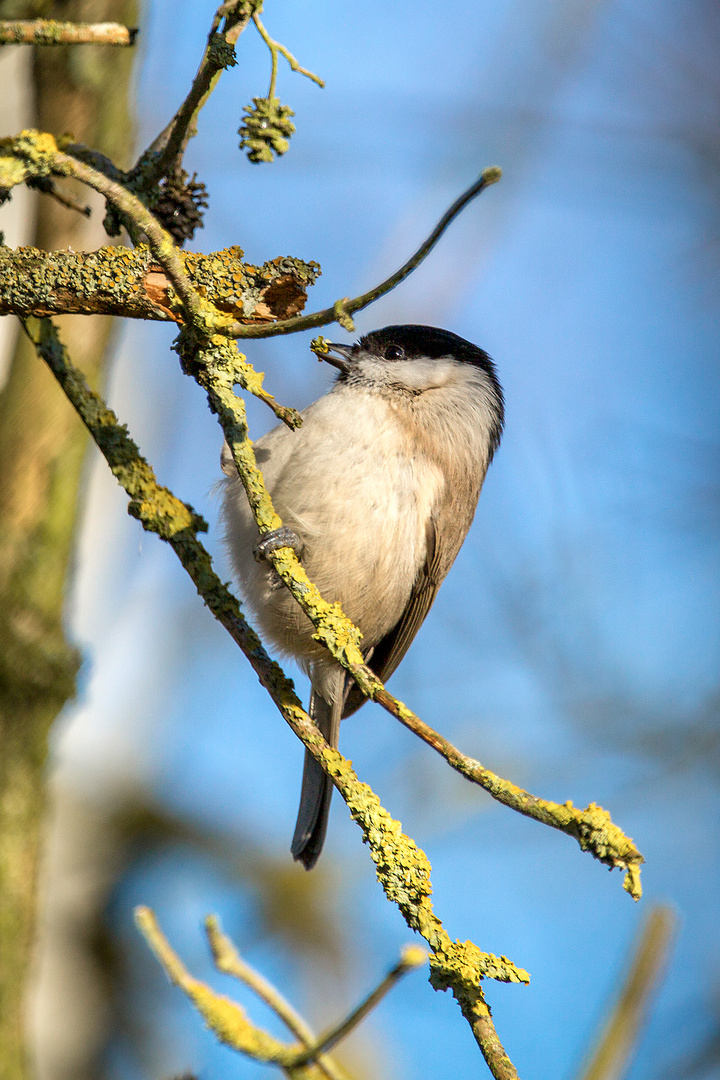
376, 491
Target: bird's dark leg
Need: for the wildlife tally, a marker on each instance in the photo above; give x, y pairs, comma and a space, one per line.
276, 539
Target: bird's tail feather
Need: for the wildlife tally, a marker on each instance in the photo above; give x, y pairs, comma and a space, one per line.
317, 787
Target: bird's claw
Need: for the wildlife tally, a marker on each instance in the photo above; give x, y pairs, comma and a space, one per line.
276, 539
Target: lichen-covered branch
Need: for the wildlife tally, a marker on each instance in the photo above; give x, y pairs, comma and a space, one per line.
226, 1019
51, 32
402, 868
131, 283
228, 960
160, 241
36, 154
592, 827
229, 1021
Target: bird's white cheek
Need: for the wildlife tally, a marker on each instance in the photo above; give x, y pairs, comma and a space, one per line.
421, 375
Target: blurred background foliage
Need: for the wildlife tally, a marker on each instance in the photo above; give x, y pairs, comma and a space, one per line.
574, 647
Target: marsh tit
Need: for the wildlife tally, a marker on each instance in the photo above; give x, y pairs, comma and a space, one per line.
376, 492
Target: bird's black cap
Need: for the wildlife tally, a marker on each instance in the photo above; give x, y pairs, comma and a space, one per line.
430, 341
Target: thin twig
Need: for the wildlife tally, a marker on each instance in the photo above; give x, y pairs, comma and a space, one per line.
47, 187
50, 32
412, 957
348, 307
276, 47
273, 62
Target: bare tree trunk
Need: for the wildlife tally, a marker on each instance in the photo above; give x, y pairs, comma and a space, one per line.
42, 447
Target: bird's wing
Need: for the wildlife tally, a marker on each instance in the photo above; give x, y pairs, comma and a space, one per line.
389, 651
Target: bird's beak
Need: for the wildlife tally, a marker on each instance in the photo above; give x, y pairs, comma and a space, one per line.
342, 358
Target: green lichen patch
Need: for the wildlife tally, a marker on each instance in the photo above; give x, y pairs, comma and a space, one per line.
460, 966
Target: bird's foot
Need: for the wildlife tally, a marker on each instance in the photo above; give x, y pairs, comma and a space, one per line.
276, 539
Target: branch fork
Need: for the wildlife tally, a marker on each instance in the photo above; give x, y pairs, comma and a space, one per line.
230, 1022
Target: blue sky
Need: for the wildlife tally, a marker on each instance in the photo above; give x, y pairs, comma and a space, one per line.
574, 646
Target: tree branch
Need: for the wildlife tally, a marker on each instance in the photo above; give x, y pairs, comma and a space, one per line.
131, 283
229, 1021
50, 32
592, 827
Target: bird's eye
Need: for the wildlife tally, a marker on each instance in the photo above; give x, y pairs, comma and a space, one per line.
394, 352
